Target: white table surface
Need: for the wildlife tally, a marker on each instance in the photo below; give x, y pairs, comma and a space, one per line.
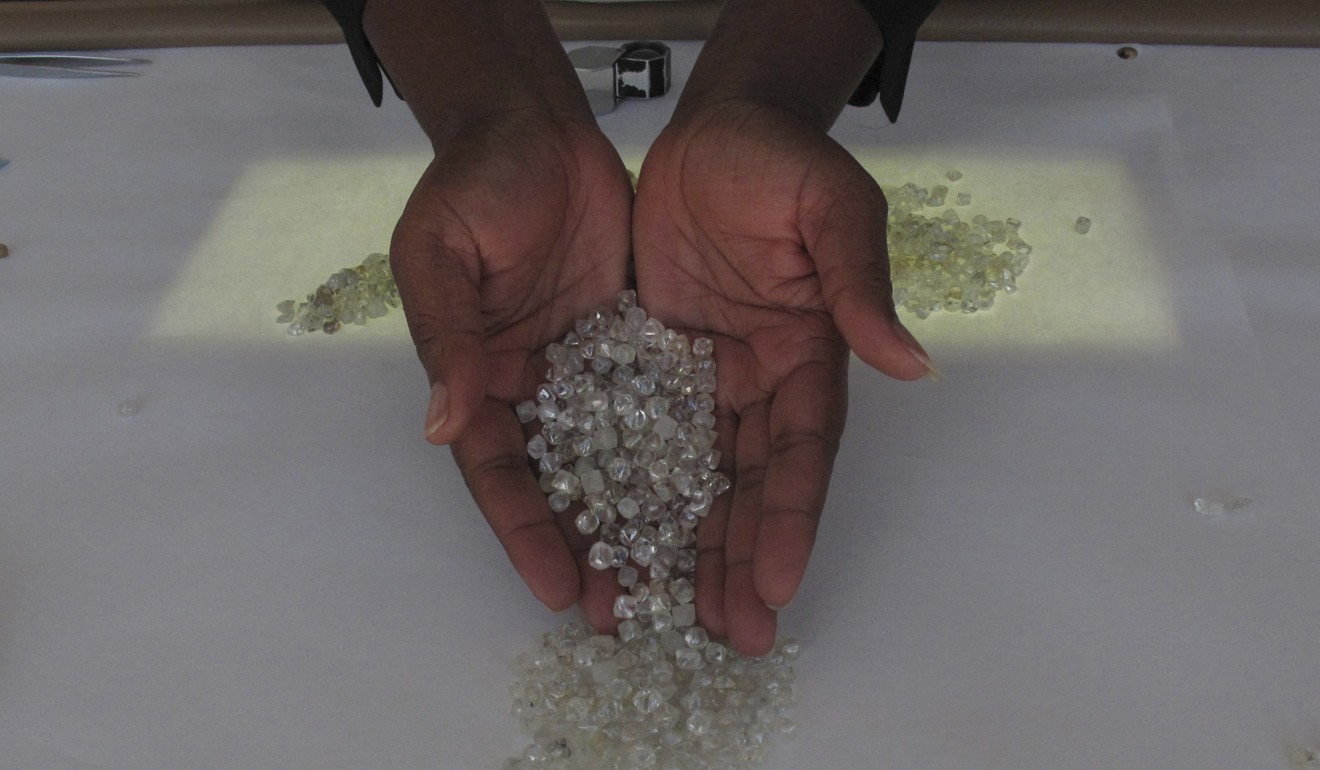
266, 567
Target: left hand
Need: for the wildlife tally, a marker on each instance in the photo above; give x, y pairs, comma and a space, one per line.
754, 228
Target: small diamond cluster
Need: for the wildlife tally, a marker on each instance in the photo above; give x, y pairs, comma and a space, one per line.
350, 296
940, 262
627, 428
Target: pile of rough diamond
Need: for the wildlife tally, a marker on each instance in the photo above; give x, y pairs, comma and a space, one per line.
350, 296
939, 262
627, 428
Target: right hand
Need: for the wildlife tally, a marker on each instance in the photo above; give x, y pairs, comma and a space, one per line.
519, 226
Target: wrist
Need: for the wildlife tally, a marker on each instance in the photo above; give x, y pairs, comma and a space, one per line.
463, 62
803, 58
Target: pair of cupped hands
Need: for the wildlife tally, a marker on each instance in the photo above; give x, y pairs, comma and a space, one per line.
749, 225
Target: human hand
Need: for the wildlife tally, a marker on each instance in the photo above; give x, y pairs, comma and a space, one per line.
753, 227
520, 225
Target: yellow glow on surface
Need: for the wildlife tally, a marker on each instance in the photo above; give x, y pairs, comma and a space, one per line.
1106, 290
289, 223
285, 227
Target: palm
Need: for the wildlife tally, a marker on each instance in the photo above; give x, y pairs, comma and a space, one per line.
738, 226
512, 232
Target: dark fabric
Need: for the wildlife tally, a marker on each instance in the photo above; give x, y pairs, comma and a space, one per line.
349, 15
899, 21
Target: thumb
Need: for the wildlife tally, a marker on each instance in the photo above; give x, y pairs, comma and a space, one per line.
443, 307
848, 244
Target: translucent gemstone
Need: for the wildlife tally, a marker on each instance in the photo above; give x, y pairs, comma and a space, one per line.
696, 637
665, 426
643, 553
964, 199
595, 401
689, 659
583, 446
627, 507
600, 556
644, 385
703, 347
953, 175
634, 317
593, 483
624, 403
642, 756
606, 438
526, 411
659, 601
559, 501
634, 420
129, 407
619, 556
700, 501
647, 700
619, 469
699, 722
629, 630
587, 522
566, 482
681, 591
627, 576
627, 299
1082, 225
623, 353
625, 606
684, 615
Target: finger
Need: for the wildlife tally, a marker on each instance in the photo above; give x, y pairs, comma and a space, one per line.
494, 465
749, 621
599, 588
443, 307
843, 228
805, 423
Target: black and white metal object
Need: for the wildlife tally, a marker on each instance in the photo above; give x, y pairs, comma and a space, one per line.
636, 70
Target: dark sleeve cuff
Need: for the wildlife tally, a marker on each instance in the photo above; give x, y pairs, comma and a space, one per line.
899, 21
349, 15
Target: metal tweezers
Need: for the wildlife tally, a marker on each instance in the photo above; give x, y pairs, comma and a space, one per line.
66, 66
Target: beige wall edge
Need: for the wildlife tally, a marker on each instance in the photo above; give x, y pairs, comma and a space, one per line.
49, 25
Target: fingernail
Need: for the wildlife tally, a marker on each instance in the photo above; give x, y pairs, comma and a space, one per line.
437, 411
781, 607
932, 372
